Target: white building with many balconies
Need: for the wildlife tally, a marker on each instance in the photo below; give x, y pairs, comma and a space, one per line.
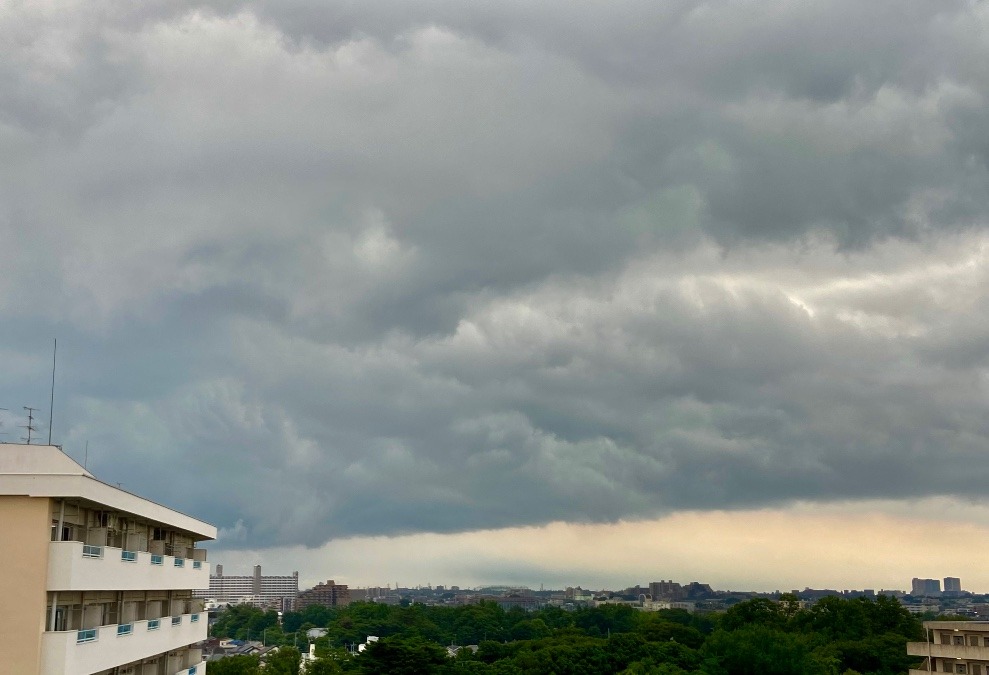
94, 580
953, 647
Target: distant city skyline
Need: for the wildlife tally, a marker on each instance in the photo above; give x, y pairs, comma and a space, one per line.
687, 547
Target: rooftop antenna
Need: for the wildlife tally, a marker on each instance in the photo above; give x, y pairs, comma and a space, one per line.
85, 462
30, 423
51, 408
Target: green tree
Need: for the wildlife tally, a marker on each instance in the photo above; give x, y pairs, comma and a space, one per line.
235, 665
759, 649
398, 656
757, 611
282, 661
323, 666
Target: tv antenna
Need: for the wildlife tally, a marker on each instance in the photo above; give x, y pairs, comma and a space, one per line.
2, 433
30, 424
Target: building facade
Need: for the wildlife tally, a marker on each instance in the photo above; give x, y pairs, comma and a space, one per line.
95, 580
328, 595
925, 587
953, 647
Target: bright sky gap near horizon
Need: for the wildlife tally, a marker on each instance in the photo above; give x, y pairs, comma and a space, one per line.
513, 292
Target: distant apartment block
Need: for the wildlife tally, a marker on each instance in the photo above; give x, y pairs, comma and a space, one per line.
278, 592
95, 580
666, 590
952, 585
329, 594
957, 647
925, 587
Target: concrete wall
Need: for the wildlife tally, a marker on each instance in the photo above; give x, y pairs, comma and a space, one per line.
25, 530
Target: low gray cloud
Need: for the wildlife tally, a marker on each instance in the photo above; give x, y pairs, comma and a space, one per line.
319, 271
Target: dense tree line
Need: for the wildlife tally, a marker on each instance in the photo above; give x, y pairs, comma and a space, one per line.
833, 637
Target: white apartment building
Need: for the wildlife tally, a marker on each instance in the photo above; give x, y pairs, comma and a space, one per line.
953, 647
94, 580
256, 589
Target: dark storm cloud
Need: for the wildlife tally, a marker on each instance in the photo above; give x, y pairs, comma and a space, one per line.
392, 267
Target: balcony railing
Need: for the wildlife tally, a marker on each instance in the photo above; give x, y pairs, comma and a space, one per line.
154, 624
197, 564
194, 618
73, 565
99, 649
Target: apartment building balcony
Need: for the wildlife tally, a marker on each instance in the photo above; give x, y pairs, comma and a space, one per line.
79, 652
75, 566
198, 668
942, 651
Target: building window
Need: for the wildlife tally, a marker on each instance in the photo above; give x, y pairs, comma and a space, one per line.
959, 640
960, 668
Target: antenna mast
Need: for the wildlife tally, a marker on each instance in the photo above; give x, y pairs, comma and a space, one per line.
51, 409
30, 423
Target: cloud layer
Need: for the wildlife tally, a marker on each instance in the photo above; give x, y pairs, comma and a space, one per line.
373, 270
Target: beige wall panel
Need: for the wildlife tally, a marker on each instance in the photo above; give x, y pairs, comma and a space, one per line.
25, 528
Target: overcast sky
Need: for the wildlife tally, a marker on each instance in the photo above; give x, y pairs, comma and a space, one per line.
497, 282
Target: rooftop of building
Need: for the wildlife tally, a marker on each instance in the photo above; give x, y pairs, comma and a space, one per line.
46, 471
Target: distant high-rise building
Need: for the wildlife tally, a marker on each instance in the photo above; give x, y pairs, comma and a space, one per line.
667, 590
926, 587
255, 589
952, 585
